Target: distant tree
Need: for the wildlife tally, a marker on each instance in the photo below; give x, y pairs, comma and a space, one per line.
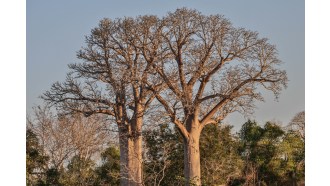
297, 124
80, 172
63, 137
272, 155
293, 151
268, 153
36, 160
108, 173
54, 177
220, 159
163, 156
249, 134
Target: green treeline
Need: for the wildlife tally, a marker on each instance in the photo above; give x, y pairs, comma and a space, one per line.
256, 155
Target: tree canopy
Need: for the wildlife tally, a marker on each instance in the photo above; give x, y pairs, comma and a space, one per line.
190, 68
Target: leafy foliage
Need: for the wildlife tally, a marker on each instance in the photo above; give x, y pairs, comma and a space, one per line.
272, 155
80, 171
164, 157
292, 149
220, 161
108, 172
257, 155
36, 161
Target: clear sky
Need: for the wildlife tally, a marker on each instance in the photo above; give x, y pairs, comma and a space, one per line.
56, 30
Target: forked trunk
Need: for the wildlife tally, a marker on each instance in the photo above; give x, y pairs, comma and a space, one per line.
192, 171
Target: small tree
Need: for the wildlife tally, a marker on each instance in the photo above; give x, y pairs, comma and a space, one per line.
220, 159
266, 151
292, 149
36, 160
63, 137
297, 124
109, 171
80, 171
163, 156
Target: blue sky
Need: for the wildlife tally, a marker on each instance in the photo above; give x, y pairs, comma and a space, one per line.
56, 29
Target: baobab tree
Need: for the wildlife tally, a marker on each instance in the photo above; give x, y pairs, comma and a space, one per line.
200, 69
211, 69
111, 81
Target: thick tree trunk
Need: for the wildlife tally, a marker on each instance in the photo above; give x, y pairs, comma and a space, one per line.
130, 140
192, 171
124, 146
136, 161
